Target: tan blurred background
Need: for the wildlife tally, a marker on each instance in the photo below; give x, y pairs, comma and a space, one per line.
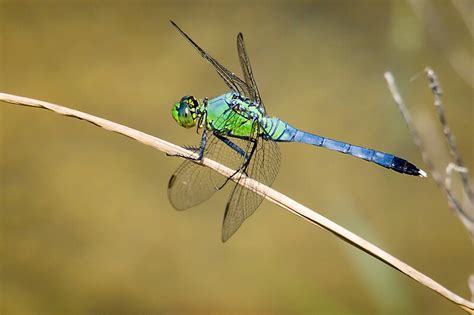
85, 221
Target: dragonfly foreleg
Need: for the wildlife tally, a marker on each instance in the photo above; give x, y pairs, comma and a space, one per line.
202, 116
200, 149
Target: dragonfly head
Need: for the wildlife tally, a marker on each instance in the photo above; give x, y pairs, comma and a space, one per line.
186, 111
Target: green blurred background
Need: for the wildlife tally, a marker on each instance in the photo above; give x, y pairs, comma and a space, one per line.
86, 227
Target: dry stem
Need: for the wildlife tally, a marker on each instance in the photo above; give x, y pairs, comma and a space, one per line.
453, 149
464, 213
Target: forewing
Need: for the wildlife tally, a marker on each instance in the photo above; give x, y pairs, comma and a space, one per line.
192, 183
247, 71
231, 80
242, 204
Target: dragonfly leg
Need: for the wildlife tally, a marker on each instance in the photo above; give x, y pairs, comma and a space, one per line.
247, 157
237, 149
202, 147
232, 145
245, 164
202, 116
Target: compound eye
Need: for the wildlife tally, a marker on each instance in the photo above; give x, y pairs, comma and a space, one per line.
191, 101
185, 115
194, 102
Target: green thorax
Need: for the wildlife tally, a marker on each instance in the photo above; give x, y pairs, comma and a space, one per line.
235, 116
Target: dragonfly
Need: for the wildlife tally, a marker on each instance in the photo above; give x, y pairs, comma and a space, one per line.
238, 132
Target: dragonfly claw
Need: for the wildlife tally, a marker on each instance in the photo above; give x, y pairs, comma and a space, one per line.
191, 148
187, 157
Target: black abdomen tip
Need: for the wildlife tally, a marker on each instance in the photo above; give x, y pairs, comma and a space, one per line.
405, 167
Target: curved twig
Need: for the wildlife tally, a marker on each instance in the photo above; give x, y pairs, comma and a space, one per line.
464, 214
270, 194
450, 139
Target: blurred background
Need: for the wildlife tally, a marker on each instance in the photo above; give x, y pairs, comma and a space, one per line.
86, 226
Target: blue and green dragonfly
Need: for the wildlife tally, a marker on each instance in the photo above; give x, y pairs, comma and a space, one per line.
237, 132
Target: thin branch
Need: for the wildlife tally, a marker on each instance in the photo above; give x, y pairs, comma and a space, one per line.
453, 149
465, 218
411, 127
449, 173
270, 194
454, 204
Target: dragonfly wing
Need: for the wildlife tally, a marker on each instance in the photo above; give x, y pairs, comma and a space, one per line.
248, 73
231, 80
192, 183
242, 203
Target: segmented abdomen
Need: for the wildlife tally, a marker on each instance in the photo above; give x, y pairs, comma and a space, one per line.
281, 131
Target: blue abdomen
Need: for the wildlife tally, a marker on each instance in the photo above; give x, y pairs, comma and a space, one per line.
286, 133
